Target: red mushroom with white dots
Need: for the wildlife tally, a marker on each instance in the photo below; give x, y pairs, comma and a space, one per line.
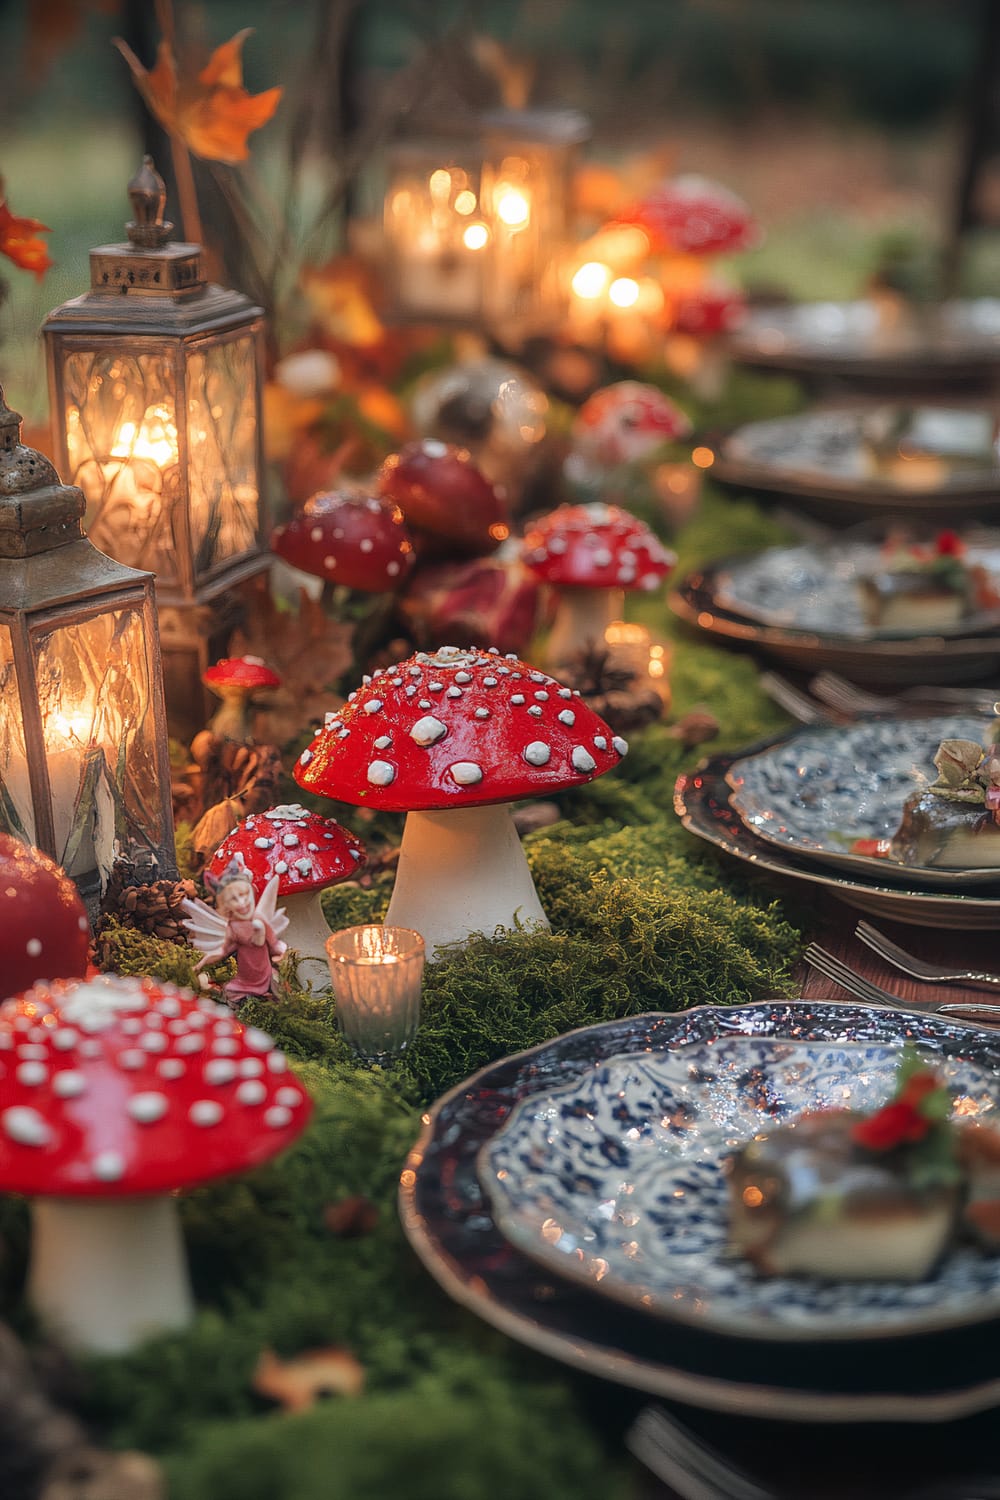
592, 555
348, 538
235, 680
452, 737
44, 932
692, 215
308, 853
114, 1094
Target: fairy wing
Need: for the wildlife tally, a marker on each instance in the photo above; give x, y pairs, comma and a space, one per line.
206, 927
268, 909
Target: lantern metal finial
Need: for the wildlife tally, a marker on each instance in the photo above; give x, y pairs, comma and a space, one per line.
148, 196
37, 512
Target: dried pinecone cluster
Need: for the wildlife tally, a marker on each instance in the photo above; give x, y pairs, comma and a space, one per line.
612, 689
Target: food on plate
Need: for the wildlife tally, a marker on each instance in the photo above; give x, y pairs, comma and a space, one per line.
924, 586
954, 823
916, 448
882, 1196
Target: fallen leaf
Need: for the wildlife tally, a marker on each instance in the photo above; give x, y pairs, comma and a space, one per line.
298, 1383
21, 242
212, 114
351, 1218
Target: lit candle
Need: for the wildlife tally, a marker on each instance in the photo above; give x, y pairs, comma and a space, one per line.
376, 974
68, 743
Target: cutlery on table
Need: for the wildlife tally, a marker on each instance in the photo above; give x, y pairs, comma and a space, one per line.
794, 701
863, 989
686, 1463
846, 698
918, 968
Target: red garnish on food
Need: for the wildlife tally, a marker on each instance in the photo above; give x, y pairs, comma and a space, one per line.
948, 544
872, 848
901, 1121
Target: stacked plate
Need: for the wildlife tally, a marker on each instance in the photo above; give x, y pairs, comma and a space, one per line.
800, 805
574, 1197
802, 606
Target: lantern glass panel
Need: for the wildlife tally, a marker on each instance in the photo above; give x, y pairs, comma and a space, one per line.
121, 431
222, 452
95, 693
17, 815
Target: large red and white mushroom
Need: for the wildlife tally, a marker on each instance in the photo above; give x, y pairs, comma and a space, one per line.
446, 499
692, 215
114, 1094
348, 538
308, 853
235, 680
452, 737
44, 932
592, 555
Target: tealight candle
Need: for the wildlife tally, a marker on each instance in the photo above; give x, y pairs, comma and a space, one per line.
376, 974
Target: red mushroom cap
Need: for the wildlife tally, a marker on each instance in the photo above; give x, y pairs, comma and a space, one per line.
306, 851
709, 310
457, 728
44, 932
692, 215
621, 423
443, 493
117, 1087
349, 538
596, 547
248, 672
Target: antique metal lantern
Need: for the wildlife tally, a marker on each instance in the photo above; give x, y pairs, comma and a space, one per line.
477, 224
84, 771
155, 379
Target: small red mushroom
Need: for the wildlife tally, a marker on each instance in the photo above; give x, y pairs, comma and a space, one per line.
235, 680
625, 422
115, 1093
592, 555
709, 310
452, 737
444, 495
308, 853
44, 932
348, 538
694, 216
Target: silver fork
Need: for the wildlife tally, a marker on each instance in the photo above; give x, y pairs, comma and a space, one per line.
918, 968
687, 1464
872, 994
794, 702
846, 698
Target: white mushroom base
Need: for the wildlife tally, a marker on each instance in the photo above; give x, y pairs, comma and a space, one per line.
582, 617
307, 932
462, 870
105, 1274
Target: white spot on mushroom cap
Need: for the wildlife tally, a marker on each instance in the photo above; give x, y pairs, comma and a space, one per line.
537, 753
289, 840
251, 1091
305, 757
582, 760
542, 696
68, 1084
392, 568
567, 717
148, 1107
535, 711
171, 1067
220, 1070
428, 730
108, 1166
367, 545
33, 947
601, 741
620, 744
25, 1126
205, 1112
30, 1052
373, 705
64, 1037
383, 742
517, 698
466, 773
380, 773
482, 713
257, 1040
330, 562
277, 1061
192, 1041
277, 1117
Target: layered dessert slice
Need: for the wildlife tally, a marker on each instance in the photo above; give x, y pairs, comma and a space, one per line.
954, 824
843, 1195
924, 586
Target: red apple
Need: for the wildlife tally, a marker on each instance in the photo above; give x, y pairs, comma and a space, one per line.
446, 497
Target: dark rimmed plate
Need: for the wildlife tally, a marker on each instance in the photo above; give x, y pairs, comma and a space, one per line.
445, 1213
702, 802
819, 458
880, 661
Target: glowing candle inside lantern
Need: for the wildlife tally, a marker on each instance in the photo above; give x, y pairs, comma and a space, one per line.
68, 739
376, 974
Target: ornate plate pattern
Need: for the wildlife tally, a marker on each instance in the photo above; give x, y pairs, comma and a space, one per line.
814, 588
822, 787
929, 1378
701, 801
617, 1179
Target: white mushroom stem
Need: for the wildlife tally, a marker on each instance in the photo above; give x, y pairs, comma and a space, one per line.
105, 1274
231, 720
461, 871
307, 933
581, 619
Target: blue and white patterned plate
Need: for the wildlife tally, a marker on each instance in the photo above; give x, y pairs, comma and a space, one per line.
817, 791
814, 587
616, 1180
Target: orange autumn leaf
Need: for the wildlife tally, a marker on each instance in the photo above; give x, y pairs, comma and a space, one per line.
212, 114
21, 240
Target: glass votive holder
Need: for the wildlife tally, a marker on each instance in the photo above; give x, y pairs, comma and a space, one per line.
376, 974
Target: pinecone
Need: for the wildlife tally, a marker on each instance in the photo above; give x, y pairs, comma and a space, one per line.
153, 907
612, 689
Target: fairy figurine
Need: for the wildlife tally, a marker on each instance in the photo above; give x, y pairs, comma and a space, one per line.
242, 925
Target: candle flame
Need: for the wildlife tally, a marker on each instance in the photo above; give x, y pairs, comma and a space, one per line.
155, 438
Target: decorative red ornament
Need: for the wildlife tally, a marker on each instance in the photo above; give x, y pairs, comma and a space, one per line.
350, 538
443, 493
44, 933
